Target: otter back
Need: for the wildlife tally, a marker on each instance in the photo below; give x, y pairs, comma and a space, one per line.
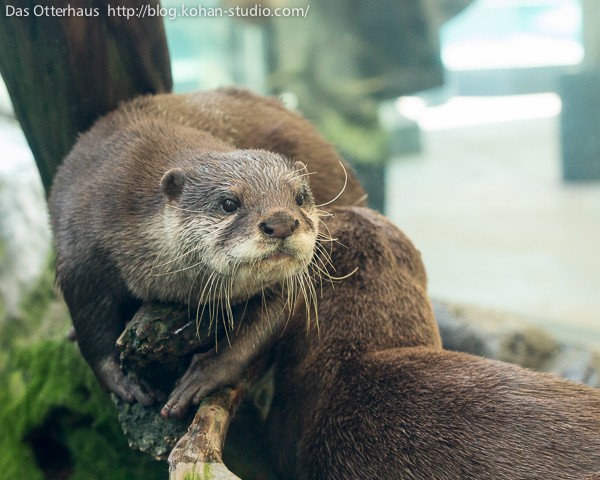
371, 394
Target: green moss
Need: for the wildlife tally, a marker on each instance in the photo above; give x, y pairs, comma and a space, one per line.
55, 418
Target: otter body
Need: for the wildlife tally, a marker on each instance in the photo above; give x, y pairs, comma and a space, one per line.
198, 198
371, 393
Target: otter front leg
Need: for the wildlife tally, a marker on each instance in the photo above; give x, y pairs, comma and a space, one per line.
97, 325
207, 373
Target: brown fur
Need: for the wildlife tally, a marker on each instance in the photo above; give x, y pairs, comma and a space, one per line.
116, 212
246, 121
371, 394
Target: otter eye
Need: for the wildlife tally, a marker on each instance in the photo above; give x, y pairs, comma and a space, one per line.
229, 206
300, 198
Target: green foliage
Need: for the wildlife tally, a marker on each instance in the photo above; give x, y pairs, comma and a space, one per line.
364, 143
34, 306
42, 315
53, 414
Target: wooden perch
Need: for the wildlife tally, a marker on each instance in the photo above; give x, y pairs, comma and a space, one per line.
199, 453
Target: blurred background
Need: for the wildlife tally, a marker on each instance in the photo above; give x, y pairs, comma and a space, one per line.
474, 124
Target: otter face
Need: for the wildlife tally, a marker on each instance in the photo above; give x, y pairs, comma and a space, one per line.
240, 222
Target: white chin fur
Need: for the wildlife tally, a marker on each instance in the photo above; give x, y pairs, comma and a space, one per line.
256, 249
256, 263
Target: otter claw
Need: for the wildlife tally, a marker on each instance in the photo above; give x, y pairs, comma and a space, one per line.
201, 378
178, 404
166, 411
128, 388
130, 391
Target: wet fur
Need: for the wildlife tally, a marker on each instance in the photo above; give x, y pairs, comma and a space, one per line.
371, 393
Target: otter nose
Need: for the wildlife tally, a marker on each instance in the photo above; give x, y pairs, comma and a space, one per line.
279, 225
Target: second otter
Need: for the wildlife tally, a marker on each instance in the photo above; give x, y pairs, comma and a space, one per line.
371, 393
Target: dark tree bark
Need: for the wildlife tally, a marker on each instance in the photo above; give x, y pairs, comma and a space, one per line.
155, 345
64, 72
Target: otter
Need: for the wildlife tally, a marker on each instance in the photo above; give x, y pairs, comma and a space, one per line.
370, 393
195, 198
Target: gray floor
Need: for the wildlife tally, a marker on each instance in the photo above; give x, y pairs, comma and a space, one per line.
497, 227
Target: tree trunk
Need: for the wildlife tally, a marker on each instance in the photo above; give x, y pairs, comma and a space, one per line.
64, 72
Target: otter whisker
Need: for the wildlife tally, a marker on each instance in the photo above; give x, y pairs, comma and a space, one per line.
223, 304
311, 299
331, 277
184, 269
289, 287
278, 315
286, 289
194, 247
323, 237
214, 314
213, 309
200, 314
321, 272
241, 319
321, 261
165, 250
189, 301
295, 174
360, 200
302, 289
326, 236
313, 294
292, 293
348, 275
263, 303
324, 213
190, 243
318, 275
228, 295
291, 299
330, 242
341, 191
324, 257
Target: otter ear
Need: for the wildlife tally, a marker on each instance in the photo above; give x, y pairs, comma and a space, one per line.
172, 182
300, 168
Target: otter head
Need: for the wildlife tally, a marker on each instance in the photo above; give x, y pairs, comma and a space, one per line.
239, 222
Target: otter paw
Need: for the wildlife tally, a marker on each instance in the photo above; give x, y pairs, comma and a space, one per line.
200, 379
128, 388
